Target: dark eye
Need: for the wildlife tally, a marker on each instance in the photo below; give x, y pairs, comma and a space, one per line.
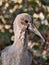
26, 21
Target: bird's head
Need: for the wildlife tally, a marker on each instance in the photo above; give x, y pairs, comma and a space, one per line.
25, 22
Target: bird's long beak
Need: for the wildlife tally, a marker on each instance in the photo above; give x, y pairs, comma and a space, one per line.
33, 28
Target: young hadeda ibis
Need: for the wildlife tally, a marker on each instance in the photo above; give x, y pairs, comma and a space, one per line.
18, 54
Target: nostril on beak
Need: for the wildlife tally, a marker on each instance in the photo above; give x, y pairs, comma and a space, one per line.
30, 26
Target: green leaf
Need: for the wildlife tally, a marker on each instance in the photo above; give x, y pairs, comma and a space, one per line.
43, 60
36, 37
36, 47
42, 28
45, 2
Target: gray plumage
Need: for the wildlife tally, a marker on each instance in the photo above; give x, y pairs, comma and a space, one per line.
18, 54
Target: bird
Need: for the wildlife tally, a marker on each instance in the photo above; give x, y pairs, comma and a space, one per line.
17, 53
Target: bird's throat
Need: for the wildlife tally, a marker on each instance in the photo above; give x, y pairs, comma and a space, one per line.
21, 39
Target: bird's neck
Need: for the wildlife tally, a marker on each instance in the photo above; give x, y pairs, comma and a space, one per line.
19, 39
20, 46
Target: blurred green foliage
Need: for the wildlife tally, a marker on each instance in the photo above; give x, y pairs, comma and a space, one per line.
9, 9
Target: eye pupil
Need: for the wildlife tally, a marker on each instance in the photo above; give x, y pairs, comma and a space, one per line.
26, 21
